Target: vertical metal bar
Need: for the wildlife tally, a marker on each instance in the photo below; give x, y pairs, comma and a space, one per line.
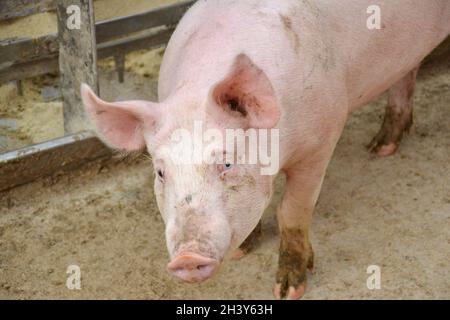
77, 58
19, 87
120, 66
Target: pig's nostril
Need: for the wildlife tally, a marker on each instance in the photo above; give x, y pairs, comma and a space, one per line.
202, 267
193, 267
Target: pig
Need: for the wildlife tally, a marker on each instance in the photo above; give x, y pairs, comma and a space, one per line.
300, 67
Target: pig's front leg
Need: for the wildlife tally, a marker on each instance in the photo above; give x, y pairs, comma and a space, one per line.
294, 217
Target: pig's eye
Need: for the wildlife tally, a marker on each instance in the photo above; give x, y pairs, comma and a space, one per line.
160, 174
227, 167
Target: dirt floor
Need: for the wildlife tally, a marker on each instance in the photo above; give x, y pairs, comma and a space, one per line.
392, 212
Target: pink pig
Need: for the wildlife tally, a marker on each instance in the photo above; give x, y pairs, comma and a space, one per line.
297, 66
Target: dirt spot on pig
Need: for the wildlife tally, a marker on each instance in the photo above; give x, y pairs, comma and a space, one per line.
190, 39
289, 29
189, 236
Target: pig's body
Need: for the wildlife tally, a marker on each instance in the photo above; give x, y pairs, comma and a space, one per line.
300, 66
320, 56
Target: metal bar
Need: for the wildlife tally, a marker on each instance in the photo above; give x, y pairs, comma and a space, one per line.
143, 41
50, 65
27, 164
119, 60
165, 15
20, 8
29, 70
77, 61
15, 51
19, 87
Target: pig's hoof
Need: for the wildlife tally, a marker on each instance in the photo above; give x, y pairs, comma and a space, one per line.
238, 254
387, 141
387, 150
291, 284
292, 292
381, 147
249, 244
291, 275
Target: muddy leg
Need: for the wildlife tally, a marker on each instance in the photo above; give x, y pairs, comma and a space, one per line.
398, 117
249, 244
294, 217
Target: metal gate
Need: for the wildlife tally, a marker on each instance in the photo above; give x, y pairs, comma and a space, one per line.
74, 55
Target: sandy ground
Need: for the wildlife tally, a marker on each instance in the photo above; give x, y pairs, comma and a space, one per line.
392, 212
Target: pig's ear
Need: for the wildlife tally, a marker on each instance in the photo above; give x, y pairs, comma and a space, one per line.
247, 93
120, 124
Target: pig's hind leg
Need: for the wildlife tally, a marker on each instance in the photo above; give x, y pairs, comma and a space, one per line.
398, 117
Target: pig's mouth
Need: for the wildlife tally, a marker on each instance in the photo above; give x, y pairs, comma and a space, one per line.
192, 267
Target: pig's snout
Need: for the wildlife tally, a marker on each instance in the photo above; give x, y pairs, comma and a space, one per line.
193, 267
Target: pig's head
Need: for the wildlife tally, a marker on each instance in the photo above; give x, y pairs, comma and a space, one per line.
209, 204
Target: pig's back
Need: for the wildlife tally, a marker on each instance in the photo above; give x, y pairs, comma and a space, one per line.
298, 43
376, 59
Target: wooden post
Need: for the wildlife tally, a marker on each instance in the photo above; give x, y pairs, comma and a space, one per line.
77, 59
